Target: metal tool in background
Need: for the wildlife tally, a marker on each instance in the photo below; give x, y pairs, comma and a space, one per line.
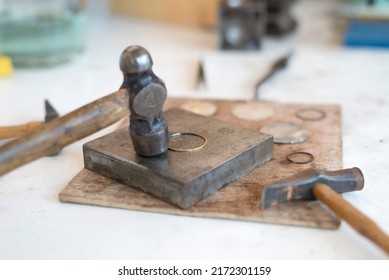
241, 24
148, 127
279, 20
325, 186
244, 23
7, 132
277, 66
255, 111
51, 113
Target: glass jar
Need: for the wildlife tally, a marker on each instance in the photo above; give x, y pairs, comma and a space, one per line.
41, 32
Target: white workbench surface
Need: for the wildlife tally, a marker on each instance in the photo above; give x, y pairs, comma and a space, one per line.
35, 225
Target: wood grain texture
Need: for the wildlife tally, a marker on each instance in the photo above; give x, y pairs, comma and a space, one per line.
241, 199
7, 132
352, 216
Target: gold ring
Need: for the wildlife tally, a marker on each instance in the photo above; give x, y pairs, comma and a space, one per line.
188, 149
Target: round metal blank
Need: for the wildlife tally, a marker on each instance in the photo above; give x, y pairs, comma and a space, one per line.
253, 111
204, 108
286, 133
310, 114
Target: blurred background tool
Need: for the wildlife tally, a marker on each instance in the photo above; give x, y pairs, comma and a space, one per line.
7, 132
244, 23
241, 24
279, 20
41, 33
278, 65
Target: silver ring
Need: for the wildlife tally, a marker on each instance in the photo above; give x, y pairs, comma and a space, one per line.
309, 159
188, 149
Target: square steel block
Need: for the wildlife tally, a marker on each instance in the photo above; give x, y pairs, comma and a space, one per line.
182, 178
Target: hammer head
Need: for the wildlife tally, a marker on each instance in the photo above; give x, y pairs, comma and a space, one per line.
51, 114
299, 187
147, 93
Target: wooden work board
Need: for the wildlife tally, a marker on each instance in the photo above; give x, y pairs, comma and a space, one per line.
239, 200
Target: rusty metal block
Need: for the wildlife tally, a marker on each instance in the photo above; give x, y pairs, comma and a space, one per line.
182, 178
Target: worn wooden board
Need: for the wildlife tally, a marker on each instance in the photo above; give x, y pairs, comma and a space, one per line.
241, 199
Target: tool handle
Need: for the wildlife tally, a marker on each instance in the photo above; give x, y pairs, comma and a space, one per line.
352, 216
51, 137
7, 132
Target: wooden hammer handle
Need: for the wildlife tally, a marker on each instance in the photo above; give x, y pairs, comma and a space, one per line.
51, 137
7, 132
351, 215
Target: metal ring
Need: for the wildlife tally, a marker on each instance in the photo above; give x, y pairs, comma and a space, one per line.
300, 114
188, 149
290, 157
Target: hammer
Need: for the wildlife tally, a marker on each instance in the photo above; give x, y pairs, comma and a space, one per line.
7, 132
325, 186
142, 93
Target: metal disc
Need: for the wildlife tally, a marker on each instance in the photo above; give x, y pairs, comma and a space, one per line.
204, 108
286, 133
253, 111
310, 114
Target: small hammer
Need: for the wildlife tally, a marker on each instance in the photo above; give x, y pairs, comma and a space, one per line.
325, 186
7, 132
51, 137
